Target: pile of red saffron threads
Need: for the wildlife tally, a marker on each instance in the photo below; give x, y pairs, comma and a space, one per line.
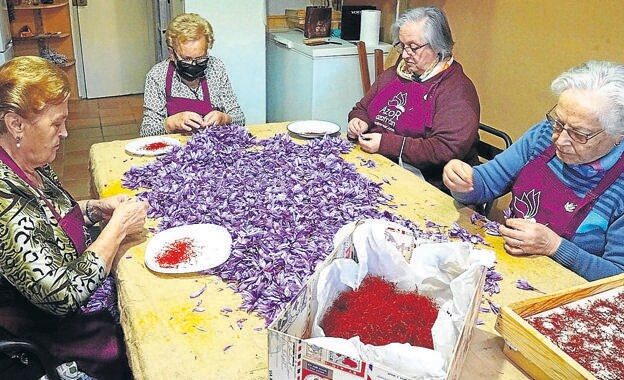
175, 253
380, 314
155, 146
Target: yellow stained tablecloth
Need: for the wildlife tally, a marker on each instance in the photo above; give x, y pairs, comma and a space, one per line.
166, 339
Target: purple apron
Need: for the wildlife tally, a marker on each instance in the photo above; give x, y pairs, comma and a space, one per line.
177, 105
540, 195
72, 223
91, 339
405, 107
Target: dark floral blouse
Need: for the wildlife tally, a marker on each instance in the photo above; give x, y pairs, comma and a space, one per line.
36, 256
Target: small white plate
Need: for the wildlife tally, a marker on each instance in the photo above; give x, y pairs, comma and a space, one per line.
211, 245
151, 146
311, 129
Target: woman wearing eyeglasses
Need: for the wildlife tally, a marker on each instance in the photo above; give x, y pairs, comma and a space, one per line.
189, 90
565, 175
425, 111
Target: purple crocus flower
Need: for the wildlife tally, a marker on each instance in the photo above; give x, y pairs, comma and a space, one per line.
524, 285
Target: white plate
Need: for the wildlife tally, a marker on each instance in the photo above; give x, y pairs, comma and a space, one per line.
140, 146
310, 129
211, 247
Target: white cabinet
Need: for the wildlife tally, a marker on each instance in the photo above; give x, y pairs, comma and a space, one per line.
313, 82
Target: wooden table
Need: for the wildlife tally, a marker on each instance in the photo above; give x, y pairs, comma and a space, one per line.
167, 340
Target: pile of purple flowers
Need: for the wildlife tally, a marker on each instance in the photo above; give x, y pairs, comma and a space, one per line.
281, 202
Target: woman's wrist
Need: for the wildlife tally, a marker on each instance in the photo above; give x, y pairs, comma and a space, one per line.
92, 214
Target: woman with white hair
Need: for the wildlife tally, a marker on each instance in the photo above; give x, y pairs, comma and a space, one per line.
565, 175
425, 111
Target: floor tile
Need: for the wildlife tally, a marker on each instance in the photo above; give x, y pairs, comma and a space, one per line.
116, 119
77, 144
121, 137
91, 121
76, 157
123, 129
85, 133
76, 171
78, 188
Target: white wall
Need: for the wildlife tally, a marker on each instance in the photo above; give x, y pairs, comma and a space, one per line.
276, 7
239, 29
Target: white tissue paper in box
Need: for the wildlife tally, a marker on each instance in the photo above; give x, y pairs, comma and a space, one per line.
446, 272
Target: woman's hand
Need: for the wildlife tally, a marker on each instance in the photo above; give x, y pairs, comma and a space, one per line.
104, 208
458, 176
369, 142
129, 217
184, 122
217, 118
356, 127
525, 237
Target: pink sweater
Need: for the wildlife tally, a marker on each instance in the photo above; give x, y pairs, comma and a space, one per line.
454, 133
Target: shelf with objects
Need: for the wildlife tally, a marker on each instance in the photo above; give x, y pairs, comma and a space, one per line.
45, 30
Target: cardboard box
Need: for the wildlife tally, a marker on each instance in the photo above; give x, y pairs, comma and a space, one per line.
291, 358
295, 18
535, 353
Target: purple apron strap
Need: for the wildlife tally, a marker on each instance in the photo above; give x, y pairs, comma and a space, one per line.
176, 105
72, 223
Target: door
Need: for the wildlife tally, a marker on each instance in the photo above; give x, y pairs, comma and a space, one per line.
116, 45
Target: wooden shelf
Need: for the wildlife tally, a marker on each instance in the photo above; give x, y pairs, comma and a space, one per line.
43, 36
41, 6
51, 26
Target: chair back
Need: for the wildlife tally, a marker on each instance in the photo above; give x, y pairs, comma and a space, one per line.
487, 151
363, 60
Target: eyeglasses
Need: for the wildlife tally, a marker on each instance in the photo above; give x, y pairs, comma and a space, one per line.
191, 61
411, 49
575, 135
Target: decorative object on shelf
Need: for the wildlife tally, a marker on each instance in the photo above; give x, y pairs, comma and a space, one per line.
25, 31
47, 1
53, 56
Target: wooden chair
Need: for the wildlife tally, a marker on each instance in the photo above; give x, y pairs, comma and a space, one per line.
363, 59
487, 151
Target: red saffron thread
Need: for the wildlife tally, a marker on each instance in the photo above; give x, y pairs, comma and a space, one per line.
593, 335
380, 314
156, 146
175, 253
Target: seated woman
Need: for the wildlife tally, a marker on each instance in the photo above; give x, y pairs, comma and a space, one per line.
425, 111
565, 174
49, 268
190, 89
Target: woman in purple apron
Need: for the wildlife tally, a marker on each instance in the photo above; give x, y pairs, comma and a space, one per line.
566, 176
53, 280
190, 89
425, 111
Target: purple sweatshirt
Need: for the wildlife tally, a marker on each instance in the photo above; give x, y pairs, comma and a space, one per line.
454, 133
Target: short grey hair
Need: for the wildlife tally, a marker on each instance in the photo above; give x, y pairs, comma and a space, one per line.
437, 30
603, 78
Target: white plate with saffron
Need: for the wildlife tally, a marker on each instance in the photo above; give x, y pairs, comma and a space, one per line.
151, 146
188, 249
311, 129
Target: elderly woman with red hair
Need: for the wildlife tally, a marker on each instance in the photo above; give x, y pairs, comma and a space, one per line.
53, 278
